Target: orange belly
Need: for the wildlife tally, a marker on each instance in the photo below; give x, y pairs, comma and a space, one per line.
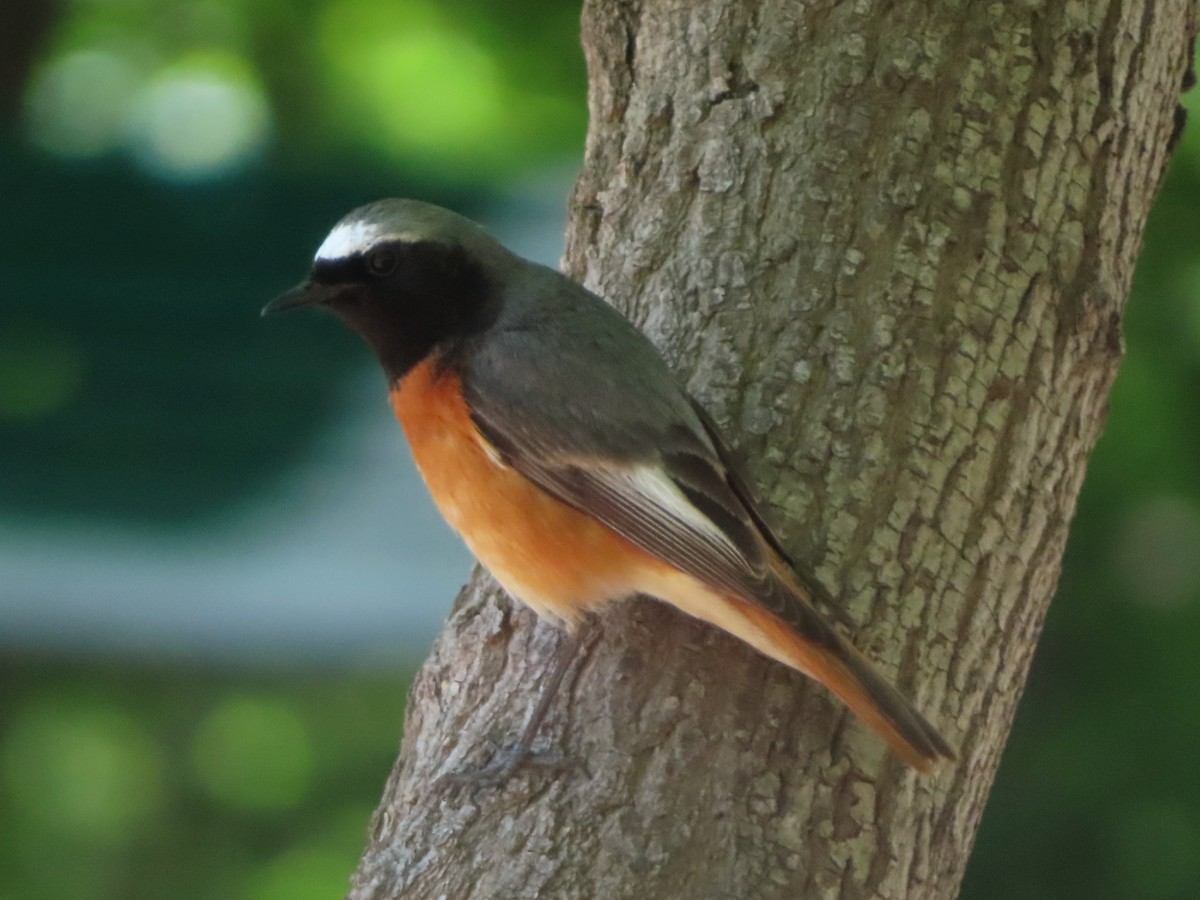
544, 552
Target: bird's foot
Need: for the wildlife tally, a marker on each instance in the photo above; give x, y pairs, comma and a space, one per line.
506, 762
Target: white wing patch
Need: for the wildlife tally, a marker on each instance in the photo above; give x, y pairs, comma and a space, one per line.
655, 485
489, 451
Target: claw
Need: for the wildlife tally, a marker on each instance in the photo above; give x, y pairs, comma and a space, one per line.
505, 763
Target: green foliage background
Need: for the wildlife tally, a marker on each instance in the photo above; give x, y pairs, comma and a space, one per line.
132, 391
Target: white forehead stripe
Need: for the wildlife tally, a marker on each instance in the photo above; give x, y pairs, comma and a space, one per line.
350, 238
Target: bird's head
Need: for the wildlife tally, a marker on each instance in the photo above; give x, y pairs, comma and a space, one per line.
409, 277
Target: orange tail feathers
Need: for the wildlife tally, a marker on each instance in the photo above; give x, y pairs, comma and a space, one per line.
853, 680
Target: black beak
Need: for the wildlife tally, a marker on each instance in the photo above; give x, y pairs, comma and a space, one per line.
307, 293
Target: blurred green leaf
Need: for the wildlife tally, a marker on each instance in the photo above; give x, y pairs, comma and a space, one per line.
41, 369
87, 774
254, 753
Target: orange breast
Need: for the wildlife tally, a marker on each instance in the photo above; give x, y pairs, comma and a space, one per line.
544, 552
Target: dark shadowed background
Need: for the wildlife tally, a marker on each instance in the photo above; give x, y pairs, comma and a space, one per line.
217, 567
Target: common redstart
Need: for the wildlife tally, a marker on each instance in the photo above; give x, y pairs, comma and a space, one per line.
556, 442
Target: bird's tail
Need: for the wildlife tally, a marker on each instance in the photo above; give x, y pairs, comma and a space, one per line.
814, 648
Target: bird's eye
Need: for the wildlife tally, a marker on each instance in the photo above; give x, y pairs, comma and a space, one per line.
382, 261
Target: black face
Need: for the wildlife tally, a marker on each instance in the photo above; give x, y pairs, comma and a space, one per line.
406, 299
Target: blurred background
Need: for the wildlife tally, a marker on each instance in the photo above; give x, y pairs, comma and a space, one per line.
217, 568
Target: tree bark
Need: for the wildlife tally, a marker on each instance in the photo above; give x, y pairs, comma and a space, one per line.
888, 244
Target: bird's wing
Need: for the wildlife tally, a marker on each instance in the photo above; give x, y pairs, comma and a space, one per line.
624, 444
670, 508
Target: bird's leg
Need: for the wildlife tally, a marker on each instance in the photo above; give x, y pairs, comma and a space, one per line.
564, 655
509, 759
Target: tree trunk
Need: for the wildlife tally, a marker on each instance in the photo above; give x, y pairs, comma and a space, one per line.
888, 244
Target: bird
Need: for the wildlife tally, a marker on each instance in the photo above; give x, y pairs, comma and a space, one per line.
555, 440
